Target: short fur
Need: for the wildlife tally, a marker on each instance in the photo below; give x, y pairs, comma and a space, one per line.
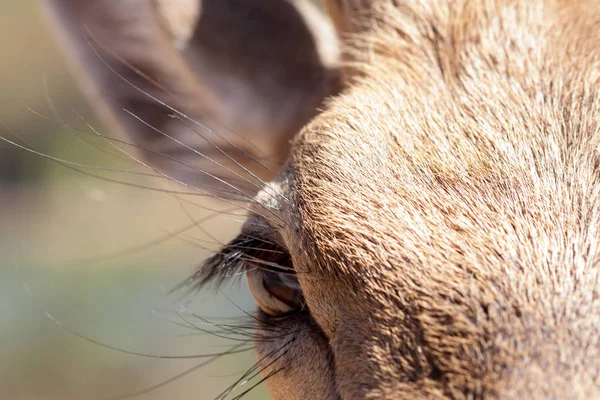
443, 212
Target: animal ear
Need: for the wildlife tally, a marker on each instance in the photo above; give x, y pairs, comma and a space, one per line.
350, 17
211, 85
346, 13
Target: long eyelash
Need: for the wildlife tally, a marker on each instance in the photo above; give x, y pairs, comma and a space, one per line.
236, 333
238, 256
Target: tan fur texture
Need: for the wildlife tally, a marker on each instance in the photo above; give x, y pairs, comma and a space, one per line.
443, 211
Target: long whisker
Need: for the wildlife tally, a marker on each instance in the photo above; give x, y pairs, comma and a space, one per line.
144, 246
140, 162
270, 375
251, 372
251, 200
88, 339
197, 153
263, 183
205, 194
94, 132
67, 165
56, 114
198, 225
200, 189
194, 244
71, 163
174, 378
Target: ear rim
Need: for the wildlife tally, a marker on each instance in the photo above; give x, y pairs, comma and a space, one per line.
83, 49
93, 75
180, 22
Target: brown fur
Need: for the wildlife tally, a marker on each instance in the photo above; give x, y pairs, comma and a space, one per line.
443, 212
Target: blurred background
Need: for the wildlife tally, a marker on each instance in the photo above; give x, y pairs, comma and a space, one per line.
86, 263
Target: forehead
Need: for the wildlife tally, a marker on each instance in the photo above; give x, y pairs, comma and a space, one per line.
409, 173
457, 145
444, 222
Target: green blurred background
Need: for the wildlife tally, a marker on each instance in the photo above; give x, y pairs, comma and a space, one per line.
67, 244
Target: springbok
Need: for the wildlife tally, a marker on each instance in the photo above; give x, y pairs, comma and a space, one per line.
434, 229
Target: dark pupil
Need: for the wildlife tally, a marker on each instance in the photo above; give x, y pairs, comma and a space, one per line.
284, 287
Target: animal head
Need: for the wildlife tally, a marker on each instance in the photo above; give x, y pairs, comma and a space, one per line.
434, 230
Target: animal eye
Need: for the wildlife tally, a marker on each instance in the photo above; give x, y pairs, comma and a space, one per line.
277, 293
268, 266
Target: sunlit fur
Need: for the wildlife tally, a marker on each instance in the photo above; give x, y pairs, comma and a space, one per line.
443, 211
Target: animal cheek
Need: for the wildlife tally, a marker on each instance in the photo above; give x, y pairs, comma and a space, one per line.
355, 379
295, 356
375, 363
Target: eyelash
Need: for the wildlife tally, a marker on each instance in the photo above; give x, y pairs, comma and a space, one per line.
243, 253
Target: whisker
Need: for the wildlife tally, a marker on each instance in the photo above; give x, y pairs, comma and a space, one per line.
144, 246
198, 225
263, 183
197, 153
251, 372
270, 375
140, 162
223, 197
145, 149
49, 100
67, 162
172, 379
251, 200
88, 339
194, 244
200, 189
56, 114
32, 150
